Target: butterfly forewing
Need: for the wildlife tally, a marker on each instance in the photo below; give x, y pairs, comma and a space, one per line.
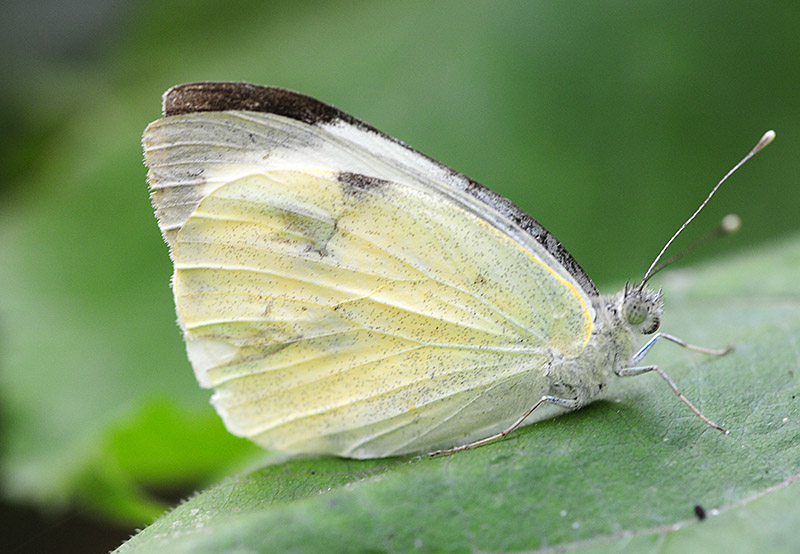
338, 302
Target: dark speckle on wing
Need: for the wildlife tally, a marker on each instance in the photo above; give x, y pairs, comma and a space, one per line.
356, 185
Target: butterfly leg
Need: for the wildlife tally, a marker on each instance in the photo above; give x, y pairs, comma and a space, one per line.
568, 403
646, 348
631, 371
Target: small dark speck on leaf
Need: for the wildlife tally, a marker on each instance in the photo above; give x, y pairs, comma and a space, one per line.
700, 512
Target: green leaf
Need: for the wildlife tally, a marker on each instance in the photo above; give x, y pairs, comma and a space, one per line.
622, 474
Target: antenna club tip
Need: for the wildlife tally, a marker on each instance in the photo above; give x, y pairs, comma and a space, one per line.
730, 224
765, 140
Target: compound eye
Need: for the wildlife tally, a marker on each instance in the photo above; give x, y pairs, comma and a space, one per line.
635, 310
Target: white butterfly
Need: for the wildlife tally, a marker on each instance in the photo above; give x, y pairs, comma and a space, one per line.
345, 294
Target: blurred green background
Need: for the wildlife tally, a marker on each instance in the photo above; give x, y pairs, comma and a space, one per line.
607, 121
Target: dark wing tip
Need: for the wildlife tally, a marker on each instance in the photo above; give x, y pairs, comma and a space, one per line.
223, 96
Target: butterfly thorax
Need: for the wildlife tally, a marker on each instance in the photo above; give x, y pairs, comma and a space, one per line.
619, 321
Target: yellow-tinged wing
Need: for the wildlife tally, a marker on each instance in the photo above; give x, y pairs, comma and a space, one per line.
342, 295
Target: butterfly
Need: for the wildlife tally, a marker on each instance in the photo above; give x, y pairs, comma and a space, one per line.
345, 294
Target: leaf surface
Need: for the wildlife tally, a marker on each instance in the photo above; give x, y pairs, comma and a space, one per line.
622, 474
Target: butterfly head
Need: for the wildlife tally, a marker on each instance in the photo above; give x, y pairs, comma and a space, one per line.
642, 308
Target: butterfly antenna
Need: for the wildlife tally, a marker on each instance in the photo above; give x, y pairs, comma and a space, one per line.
727, 226
765, 140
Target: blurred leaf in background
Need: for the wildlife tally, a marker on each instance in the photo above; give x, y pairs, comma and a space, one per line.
608, 122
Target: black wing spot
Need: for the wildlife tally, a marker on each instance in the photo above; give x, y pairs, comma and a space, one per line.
357, 186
